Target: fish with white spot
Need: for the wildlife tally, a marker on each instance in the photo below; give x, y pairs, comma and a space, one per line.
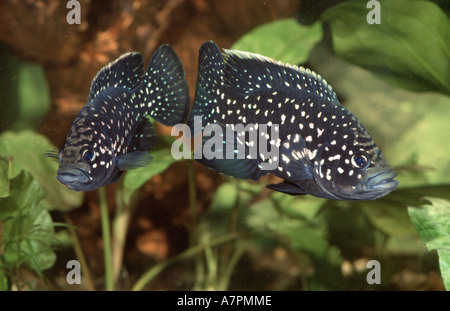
324, 150
112, 132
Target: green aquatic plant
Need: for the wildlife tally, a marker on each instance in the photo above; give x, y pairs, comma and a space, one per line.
27, 149
409, 48
432, 221
27, 236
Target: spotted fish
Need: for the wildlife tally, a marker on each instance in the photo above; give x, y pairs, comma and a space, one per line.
112, 132
323, 150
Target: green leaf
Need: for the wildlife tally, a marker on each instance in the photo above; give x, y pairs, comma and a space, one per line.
410, 47
25, 194
27, 226
225, 197
27, 150
261, 213
303, 233
432, 222
284, 40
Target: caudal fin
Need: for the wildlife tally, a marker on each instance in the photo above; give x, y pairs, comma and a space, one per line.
211, 67
164, 89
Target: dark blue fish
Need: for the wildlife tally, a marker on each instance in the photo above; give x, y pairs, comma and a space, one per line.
323, 150
112, 133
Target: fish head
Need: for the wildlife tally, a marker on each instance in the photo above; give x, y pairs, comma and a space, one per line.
87, 159
354, 168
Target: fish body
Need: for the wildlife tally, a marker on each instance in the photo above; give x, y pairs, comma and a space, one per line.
323, 149
112, 132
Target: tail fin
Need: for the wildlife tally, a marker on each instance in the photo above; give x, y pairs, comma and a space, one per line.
164, 88
211, 67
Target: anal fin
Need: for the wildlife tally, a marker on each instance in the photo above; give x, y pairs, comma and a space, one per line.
302, 187
287, 187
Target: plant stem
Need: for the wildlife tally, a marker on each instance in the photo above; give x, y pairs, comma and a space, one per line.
10, 163
192, 200
79, 253
106, 233
232, 227
225, 277
193, 232
155, 270
120, 226
4, 278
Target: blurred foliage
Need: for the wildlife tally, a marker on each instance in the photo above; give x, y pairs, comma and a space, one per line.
410, 47
377, 71
25, 93
28, 187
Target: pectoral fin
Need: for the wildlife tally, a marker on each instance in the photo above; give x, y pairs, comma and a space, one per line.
134, 160
294, 161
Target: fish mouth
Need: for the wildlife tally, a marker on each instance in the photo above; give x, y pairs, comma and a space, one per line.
383, 182
376, 186
71, 177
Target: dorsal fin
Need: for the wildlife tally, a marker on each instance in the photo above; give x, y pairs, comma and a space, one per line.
211, 67
126, 72
247, 72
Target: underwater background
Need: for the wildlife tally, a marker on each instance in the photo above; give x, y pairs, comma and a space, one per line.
177, 225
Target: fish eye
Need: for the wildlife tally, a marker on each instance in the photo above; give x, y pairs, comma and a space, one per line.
360, 160
88, 155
